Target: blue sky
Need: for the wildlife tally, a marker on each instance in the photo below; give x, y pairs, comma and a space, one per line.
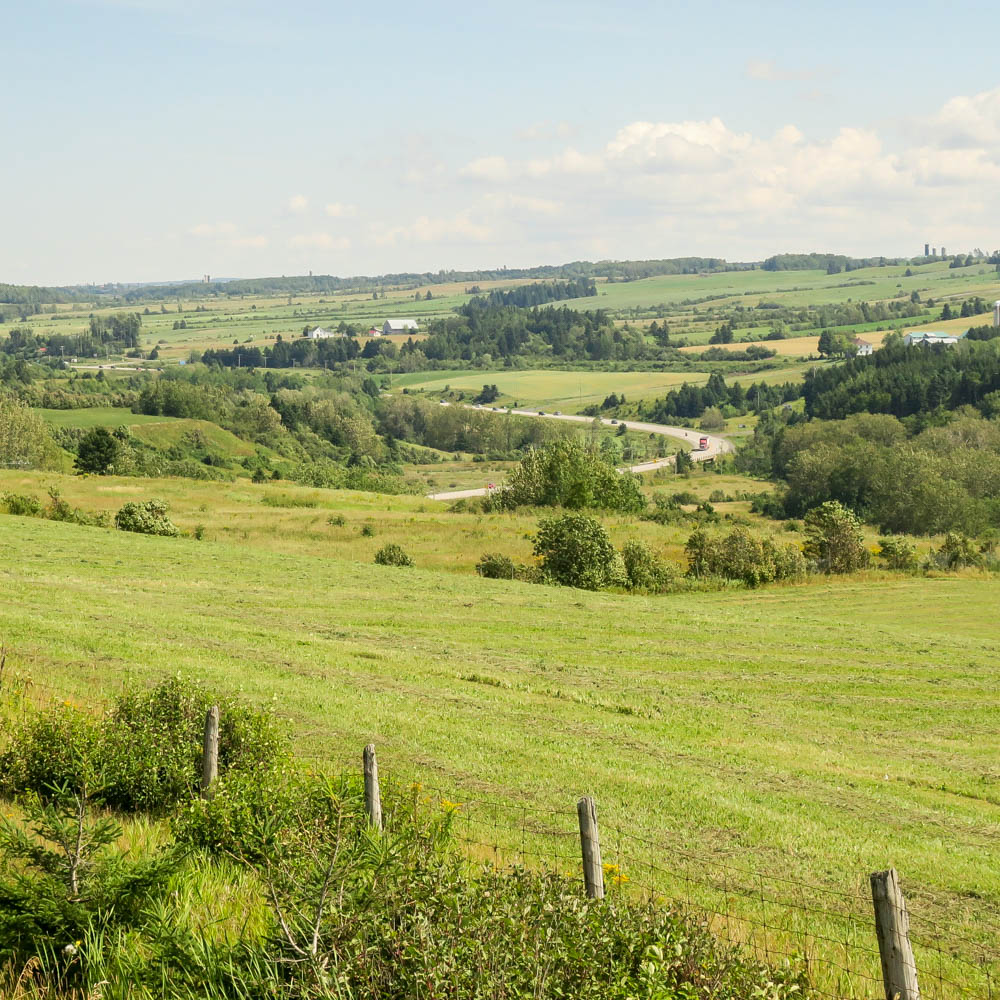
163, 139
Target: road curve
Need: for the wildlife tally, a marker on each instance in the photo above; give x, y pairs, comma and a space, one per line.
716, 445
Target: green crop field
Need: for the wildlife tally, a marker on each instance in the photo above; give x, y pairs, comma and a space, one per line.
99, 416
556, 389
812, 733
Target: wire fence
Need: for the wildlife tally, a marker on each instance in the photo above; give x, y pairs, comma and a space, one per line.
829, 932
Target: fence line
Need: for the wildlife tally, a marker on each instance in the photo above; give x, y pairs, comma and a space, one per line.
834, 934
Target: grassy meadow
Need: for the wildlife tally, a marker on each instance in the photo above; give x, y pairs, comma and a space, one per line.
809, 734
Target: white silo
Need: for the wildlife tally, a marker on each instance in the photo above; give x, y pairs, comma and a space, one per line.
996, 313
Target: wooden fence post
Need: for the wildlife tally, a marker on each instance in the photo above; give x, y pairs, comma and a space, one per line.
210, 752
593, 872
373, 795
892, 925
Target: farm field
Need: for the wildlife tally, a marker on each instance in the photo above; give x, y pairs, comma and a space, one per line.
572, 390
812, 733
287, 518
99, 416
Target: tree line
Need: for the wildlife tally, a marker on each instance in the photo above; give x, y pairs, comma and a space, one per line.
526, 296
908, 381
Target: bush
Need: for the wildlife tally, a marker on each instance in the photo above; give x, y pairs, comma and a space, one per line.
147, 517
22, 504
957, 552
644, 570
834, 539
495, 566
743, 556
392, 555
898, 553
143, 757
576, 552
565, 474
98, 452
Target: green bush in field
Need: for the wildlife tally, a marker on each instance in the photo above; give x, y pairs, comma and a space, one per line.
145, 755
565, 474
644, 569
834, 539
392, 555
413, 918
22, 504
575, 551
497, 566
147, 517
898, 553
741, 555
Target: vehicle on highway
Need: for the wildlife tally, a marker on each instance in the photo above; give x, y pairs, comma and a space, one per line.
541, 413
703, 444
614, 421
558, 413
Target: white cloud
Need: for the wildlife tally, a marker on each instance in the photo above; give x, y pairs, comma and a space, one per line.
298, 203
319, 241
338, 210
488, 168
702, 186
251, 242
969, 122
210, 229
540, 131
459, 228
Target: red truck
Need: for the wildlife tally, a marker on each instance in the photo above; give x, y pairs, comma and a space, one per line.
703, 444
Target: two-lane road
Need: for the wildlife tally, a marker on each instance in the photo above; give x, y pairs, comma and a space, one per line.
716, 445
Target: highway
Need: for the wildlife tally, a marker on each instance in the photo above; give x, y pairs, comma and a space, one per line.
716, 445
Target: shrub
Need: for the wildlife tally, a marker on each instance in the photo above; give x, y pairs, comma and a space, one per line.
22, 504
336, 520
644, 570
368, 531
957, 551
496, 566
147, 517
834, 539
898, 552
392, 555
565, 474
62, 883
98, 452
743, 556
576, 552
145, 755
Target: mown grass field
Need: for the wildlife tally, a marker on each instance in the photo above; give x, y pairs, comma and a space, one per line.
571, 391
813, 733
99, 416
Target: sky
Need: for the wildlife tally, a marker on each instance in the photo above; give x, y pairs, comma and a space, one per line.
159, 140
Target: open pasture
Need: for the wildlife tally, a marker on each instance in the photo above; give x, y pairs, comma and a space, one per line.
549, 389
813, 733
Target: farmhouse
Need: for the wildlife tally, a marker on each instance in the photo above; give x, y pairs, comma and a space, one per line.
863, 348
398, 326
320, 334
929, 337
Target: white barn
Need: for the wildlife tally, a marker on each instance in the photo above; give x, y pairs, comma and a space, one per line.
391, 326
320, 334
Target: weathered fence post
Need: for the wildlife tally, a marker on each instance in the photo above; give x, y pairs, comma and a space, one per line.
210, 752
892, 925
593, 872
373, 795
